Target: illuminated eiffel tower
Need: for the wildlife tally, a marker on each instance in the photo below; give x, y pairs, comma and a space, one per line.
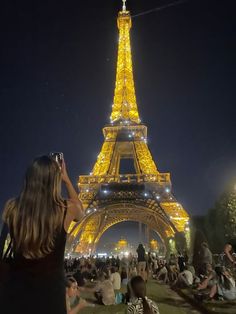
109, 196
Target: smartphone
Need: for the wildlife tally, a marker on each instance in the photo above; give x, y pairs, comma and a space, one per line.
58, 157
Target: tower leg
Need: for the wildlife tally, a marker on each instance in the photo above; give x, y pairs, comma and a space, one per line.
147, 236
140, 232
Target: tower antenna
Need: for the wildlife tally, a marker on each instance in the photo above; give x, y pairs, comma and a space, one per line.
124, 5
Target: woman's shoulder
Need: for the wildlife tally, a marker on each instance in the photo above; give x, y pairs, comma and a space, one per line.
72, 203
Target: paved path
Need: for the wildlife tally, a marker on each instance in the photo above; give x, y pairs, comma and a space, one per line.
169, 302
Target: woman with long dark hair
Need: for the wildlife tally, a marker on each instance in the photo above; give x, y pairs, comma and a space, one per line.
38, 221
138, 302
225, 286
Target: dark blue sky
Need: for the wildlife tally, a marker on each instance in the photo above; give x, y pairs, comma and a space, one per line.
57, 79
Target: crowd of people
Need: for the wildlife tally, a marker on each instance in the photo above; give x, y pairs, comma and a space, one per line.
112, 281
32, 264
208, 279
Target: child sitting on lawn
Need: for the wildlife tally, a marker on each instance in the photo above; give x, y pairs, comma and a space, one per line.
139, 303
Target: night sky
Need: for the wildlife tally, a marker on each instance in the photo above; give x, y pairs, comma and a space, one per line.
58, 62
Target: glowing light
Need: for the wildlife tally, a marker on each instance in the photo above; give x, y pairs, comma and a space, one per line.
105, 191
125, 105
158, 197
167, 190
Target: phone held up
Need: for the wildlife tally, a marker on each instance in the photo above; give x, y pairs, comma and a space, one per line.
58, 157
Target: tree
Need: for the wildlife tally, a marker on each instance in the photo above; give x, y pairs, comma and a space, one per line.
221, 221
230, 215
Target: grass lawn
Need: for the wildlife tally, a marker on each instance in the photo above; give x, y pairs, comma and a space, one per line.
214, 306
168, 302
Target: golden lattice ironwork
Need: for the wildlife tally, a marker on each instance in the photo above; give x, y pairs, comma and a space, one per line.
110, 197
144, 156
104, 159
124, 103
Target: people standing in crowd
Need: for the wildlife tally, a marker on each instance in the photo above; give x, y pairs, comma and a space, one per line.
181, 262
38, 221
114, 262
138, 301
141, 259
155, 266
124, 263
79, 277
124, 276
149, 265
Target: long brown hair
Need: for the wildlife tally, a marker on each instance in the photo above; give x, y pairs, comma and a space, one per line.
35, 216
138, 287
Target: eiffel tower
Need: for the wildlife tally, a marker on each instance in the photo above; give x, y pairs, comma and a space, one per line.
109, 196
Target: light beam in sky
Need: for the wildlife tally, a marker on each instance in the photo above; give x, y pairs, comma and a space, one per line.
172, 4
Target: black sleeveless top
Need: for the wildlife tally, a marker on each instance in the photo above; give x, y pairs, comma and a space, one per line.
37, 285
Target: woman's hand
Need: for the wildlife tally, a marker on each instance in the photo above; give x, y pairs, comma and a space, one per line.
64, 174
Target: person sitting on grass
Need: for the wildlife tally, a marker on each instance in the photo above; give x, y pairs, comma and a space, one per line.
115, 279
103, 291
74, 303
185, 279
229, 260
210, 278
162, 273
139, 303
225, 287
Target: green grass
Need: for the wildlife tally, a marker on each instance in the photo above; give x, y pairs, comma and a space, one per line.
168, 302
214, 306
